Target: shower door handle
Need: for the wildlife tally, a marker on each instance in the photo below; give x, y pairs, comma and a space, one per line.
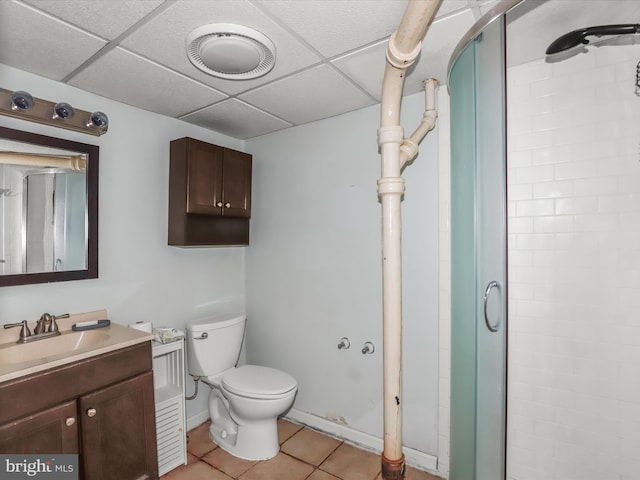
492, 327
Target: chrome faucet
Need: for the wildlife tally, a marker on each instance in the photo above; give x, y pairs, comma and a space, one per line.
44, 324
46, 327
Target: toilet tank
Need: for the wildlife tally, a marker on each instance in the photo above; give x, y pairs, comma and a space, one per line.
214, 343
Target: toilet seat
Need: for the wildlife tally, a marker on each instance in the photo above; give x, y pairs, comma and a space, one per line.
255, 381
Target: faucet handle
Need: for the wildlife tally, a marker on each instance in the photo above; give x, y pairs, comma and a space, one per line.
24, 331
53, 326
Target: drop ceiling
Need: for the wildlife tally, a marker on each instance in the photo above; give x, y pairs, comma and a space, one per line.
329, 54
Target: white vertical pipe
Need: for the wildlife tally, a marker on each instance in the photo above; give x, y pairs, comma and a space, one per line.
404, 47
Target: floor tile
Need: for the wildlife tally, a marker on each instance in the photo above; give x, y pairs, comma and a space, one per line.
286, 429
415, 474
351, 463
281, 466
224, 461
310, 446
199, 443
196, 471
320, 475
302, 448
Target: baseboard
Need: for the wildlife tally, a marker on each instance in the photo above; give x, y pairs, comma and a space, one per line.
413, 458
197, 419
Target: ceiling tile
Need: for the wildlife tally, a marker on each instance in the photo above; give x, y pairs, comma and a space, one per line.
106, 18
41, 44
236, 119
346, 26
144, 84
313, 94
163, 39
366, 67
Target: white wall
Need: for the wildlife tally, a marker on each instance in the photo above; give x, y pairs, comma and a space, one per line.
314, 275
574, 268
140, 276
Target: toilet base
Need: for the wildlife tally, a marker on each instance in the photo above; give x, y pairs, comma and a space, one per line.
255, 441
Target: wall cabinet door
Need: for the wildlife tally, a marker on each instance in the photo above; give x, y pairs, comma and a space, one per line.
51, 431
236, 184
218, 179
118, 431
204, 177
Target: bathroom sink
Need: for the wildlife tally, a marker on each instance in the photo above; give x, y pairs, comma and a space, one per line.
20, 359
50, 347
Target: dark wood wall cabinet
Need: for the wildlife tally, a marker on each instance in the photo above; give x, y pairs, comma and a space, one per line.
101, 408
209, 194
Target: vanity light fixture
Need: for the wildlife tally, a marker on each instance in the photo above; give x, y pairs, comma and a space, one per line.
98, 121
21, 101
63, 111
20, 104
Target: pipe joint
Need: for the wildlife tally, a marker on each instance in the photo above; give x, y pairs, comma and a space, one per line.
399, 59
392, 469
391, 186
390, 134
408, 151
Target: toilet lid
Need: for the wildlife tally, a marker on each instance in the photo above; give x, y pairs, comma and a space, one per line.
253, 380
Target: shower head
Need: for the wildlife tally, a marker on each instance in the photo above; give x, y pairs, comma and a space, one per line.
577, 37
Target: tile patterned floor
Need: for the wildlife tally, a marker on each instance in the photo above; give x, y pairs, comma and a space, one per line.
304, 455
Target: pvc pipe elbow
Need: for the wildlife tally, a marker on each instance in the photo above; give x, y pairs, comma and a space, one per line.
397, 57
408, 151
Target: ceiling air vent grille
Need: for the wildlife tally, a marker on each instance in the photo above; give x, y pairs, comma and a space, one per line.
230, 51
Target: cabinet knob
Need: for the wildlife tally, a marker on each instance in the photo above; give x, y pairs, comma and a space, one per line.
91, 412
219, 204
70, 421
227, 205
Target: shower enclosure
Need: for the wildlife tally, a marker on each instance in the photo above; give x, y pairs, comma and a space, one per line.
562, 169
478, 258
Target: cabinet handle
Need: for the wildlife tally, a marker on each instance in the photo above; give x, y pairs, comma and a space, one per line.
227, 205
219, 204
70, 421
91, 412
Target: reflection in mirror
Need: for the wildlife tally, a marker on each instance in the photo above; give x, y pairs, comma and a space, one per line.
48, 209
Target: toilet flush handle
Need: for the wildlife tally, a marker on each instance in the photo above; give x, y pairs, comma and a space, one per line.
202, 337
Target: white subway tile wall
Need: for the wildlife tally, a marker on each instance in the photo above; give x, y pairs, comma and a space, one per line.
574, 267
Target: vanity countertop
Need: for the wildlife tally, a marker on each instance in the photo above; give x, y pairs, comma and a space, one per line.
17, 360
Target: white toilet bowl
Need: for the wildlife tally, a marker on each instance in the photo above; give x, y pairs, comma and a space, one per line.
244, 405
245, 401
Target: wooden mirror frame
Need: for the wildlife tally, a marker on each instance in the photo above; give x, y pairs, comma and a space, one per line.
93, 161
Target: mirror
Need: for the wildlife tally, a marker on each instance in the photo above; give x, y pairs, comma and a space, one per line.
48, 209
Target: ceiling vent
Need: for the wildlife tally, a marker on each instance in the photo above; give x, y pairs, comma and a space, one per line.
230, 51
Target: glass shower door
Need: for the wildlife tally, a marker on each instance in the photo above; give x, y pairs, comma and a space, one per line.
478, 259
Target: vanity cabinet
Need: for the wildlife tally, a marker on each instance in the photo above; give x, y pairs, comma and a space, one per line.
209, 194
101, 408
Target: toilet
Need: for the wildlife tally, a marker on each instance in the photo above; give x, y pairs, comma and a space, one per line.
245, 401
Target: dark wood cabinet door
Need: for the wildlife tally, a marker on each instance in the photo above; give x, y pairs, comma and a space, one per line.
51, 431
204, 178
236, 184
118, 431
